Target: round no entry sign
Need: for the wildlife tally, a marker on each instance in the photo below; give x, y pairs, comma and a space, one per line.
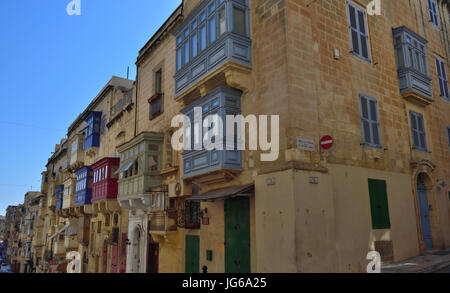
326, 142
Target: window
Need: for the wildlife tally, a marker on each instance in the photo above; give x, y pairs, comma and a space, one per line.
412, 65
433, 13
379, 204
153, 164
156, 102
442, 79
93, 122
448, 135
370, 122
359, 37
103, 125
192, 215
207, 24
418, 131
203, 153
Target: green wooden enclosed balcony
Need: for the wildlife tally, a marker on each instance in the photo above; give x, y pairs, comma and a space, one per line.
139, 171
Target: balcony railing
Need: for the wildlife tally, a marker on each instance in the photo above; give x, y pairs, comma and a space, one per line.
161, 222
122, 104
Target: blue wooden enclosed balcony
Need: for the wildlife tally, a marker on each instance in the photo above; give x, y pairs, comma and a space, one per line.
413, 72
83, 189
214, 38
59, 190
92, 134
197, 159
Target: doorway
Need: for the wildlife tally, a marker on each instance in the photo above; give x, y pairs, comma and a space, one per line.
192, 254
152, 256
237, 235
424, 212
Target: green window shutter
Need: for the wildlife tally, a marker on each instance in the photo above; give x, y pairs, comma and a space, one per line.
379, 204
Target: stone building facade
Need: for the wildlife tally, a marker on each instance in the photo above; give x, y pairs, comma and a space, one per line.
373, 84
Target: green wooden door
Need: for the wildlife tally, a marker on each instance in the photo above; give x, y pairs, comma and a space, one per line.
379, 204
237, 235
192, 254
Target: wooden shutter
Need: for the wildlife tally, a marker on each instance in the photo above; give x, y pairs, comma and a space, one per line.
442, 78
432, 9
418, 131
370, 121
359, 37
448, 135
379, 204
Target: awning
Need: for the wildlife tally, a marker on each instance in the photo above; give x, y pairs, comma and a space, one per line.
225, 193
60, 231
125, 167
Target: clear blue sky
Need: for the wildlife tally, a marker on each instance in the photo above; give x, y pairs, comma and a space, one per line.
52, 65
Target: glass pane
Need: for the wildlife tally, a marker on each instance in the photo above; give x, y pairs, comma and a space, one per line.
424, 62
211, 7
179, 59
222, 22
417, 61
202, 16
203, 38
158, 78
194, 44
186, 52
411, 59
212, 29
239, 23
153, 163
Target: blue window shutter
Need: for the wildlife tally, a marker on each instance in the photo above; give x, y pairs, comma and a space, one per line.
418, 131
442, 78
359, 37
448, 135
370, 121
433, 13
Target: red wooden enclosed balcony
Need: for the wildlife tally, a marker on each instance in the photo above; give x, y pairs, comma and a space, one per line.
105, 180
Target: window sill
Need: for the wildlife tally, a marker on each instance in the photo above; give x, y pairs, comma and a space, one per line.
425, 151
367, 60
156, 116
373, 147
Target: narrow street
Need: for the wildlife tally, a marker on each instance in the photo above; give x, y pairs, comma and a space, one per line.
432, 262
